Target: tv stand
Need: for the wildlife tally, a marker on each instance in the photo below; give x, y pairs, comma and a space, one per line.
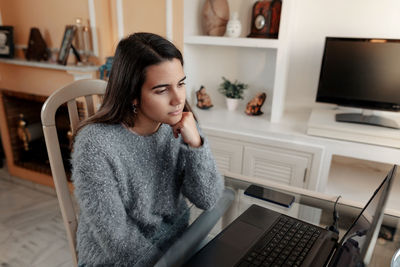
367, 119
322, 123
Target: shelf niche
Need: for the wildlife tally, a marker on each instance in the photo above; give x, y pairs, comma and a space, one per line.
254, 67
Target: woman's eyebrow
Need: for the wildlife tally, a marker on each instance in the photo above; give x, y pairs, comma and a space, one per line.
165, 84
160, 85
181, 80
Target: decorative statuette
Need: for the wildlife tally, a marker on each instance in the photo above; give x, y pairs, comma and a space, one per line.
28, 132
234, 27
215, 17
203, 99
37, 47
254, 106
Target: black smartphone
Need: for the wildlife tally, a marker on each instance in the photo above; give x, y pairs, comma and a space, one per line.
270, 195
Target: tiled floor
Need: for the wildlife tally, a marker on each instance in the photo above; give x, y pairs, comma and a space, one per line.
31, 228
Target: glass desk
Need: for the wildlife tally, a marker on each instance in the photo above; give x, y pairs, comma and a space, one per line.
316, 209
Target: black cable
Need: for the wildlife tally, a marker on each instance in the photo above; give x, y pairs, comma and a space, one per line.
335, 225
359, 233
336, 214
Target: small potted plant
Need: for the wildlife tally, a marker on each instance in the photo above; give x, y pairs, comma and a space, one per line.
232, 91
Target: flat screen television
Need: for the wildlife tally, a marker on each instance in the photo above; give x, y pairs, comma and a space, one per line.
362, 73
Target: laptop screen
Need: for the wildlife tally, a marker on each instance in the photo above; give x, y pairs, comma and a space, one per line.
366, 227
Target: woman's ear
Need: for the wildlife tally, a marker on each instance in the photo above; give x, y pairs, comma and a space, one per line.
135, 102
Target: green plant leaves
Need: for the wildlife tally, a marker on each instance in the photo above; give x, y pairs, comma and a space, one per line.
232, 90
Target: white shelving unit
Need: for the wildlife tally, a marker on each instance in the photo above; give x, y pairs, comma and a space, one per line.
262, 64
259, 62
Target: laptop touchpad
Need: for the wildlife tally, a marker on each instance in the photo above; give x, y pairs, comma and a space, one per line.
241, 235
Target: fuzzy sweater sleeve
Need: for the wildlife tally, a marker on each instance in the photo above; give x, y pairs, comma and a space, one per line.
102, 209
202, 183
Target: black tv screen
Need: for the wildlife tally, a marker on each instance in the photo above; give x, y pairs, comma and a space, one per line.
363, 73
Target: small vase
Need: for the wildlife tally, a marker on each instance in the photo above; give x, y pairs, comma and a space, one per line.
232, 103
234, 27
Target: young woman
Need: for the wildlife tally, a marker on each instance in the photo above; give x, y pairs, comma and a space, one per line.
137, 158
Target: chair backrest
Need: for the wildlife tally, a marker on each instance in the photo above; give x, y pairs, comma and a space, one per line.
82, 89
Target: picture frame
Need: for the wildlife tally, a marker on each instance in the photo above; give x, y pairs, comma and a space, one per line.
7, 41
66, 44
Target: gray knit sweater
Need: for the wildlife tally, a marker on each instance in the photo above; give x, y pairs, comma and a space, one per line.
130, 190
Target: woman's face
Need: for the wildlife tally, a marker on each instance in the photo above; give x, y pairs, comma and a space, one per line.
163, 94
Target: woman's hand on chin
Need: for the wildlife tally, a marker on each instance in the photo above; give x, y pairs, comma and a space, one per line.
186, 127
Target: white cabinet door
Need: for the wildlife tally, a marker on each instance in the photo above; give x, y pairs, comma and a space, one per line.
227, 154
276, 164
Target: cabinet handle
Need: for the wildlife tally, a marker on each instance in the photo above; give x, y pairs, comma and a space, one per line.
305, 175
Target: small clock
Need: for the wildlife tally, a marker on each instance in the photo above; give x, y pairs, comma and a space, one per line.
259, 22
265, 19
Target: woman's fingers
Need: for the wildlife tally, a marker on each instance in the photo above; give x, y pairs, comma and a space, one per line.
188, 130
176, 131
177, 128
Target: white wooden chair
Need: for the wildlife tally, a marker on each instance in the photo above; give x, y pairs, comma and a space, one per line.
67, 94
183, 248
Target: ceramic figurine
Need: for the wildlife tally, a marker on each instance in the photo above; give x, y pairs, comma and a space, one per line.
254, 106
215, 17
203, 99
234, 27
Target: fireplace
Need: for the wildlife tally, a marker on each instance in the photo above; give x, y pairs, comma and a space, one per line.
23, 138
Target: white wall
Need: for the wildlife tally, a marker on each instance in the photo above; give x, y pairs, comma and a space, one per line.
316, 19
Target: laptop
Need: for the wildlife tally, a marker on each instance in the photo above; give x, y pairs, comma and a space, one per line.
262, 237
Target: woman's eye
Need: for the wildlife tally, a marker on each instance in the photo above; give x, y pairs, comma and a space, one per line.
181, 84
159, 92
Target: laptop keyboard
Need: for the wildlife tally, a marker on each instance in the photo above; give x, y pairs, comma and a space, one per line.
285, 244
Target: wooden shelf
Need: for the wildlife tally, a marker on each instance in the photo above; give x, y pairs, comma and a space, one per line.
49, 65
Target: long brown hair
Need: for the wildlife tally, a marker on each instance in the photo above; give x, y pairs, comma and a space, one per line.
133, 55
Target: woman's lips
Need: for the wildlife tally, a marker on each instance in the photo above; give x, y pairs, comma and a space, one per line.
175, 113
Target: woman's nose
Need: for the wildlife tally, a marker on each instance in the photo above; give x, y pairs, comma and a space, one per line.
178, 97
